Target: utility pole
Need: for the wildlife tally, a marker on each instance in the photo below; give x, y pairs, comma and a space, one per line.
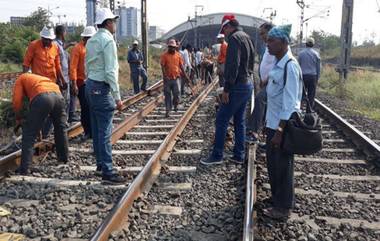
112, 5
345, 42
144, 32
196, 28
302, 5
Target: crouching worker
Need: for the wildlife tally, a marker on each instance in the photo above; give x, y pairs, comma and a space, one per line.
45, 100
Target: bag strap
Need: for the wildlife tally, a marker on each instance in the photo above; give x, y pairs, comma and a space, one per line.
308, 106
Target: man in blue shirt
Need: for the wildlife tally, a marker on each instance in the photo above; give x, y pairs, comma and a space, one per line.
283, 98
135, 60
310, 63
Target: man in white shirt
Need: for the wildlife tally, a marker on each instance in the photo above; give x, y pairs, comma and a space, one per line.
187, 65
256, 119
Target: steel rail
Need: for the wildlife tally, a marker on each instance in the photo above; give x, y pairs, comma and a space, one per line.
9, 75
142, 183
13, 160
362, 142
250, 196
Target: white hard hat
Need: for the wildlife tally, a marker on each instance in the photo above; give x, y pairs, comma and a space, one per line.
103, 14
48, 33
136, 42
220, 35
88, 31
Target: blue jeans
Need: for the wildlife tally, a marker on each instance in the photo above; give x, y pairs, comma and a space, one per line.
135, 75
102, 106
238, 99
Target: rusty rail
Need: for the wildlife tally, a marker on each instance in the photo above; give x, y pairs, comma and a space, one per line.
13, 160
119, 213
9, 75
362, 142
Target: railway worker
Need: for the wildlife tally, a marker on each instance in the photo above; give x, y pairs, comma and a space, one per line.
310, 63
257, 117
42, 57
135, 60
102, 91
236, 93
172, 67
45, 100
78, 79
283, 99
221, 58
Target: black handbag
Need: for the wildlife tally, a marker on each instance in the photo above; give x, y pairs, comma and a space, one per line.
302, 133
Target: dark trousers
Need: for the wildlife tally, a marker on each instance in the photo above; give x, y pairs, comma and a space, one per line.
135, 76
238, 99
257, 118
171, 93
44, 105
102, 107
281, 174
85, 111
310, 82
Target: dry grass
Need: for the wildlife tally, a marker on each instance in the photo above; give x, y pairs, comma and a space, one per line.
362, 90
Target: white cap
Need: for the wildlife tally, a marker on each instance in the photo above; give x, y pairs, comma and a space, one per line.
136, 42
103, 14
48, 33
310, 40
220, 35
88, 31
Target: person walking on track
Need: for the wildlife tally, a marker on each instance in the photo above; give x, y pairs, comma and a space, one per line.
236, 93
172, 69
102, 91
78, 79
45, 99
284, 94
135, 60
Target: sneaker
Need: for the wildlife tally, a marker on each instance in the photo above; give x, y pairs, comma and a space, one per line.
210, 161
236, 160
114, 179
98, 171
277, 213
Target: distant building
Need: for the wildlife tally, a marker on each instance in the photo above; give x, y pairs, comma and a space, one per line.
18, 20
129, 23
155, 32
90, 12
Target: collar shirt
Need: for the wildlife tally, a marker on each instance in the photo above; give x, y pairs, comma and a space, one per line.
77, 57
64, 58
310, 62
282, 100
43, 61
266, 65
239, 59
134, 55
101, 60
186, 58
171, 63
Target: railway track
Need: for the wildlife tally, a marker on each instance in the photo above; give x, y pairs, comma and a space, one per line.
337, 190
66, 201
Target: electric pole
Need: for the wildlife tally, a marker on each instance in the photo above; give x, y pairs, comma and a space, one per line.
302, 5
144, 32
112, 5
345, 39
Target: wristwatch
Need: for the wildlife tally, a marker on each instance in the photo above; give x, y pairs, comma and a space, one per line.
280, 129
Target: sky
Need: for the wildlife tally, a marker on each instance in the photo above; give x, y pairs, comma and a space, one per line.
169, 13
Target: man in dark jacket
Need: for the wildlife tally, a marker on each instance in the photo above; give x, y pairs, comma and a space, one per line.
237, 91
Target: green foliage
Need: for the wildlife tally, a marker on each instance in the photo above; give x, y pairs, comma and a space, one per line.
325, 40
75, 37
38, 19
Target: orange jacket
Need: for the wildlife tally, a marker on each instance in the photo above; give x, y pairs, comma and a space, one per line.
171, 64
43, 61
31, 85
223, 53
77, 58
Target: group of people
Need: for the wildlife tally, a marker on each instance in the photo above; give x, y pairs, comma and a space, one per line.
281, 86
91, 74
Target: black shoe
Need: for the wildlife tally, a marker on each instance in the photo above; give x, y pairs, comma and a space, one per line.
175, 108
22, 172
98, 171
211, 161
236, 160
114, 179
280, 214
167, 114
85, 137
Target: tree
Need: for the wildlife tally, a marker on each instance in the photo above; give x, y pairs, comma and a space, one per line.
38, 19
325, 41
